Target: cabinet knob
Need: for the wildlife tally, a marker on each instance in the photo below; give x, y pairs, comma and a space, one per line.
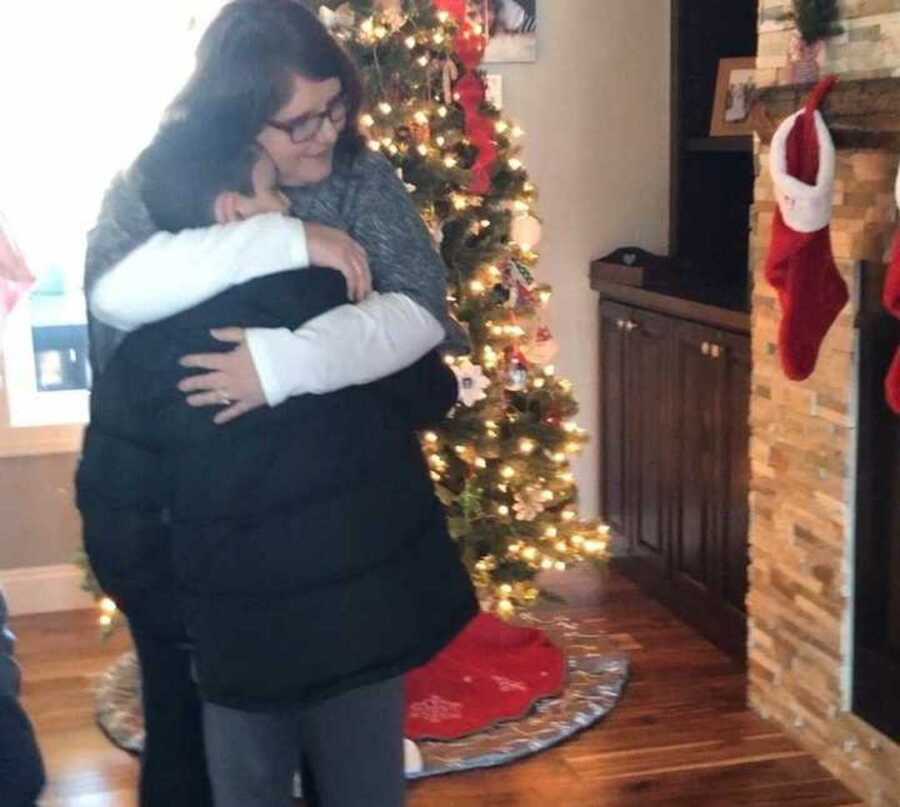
704, 348
620, 324
716, 351
630, 326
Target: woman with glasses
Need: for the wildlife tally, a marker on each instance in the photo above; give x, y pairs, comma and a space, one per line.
273, 64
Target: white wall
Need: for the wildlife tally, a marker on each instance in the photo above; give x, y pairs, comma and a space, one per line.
595, 109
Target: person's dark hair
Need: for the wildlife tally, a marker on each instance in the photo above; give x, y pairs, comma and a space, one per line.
247, 57
189, 163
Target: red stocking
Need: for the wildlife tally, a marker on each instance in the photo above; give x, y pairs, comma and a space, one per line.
800, 264
892, 384
891, 296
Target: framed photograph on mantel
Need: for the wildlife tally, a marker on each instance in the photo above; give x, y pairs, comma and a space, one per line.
735, 85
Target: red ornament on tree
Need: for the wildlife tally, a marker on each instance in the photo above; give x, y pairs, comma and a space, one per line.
421, 132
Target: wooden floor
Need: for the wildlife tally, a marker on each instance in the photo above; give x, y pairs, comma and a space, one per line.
681, 736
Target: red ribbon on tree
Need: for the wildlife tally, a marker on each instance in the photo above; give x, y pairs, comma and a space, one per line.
469, 48
479, 130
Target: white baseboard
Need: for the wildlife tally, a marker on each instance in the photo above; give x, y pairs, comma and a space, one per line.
42, 589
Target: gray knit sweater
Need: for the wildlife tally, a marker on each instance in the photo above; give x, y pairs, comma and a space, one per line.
362, 196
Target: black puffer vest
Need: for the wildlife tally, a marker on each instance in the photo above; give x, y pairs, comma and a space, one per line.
309, 552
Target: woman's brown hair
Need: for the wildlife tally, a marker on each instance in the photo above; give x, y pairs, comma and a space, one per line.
246, 60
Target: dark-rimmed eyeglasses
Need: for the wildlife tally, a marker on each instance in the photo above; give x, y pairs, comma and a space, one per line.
304, 128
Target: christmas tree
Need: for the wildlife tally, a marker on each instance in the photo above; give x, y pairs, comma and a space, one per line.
500, 464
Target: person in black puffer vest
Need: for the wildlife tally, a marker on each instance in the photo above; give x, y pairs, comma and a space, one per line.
302, 545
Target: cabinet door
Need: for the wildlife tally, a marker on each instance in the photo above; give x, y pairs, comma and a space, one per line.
696, 390
612, 431
734, 467
650, 434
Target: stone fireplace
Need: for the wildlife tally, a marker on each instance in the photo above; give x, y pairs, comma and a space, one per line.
814, 444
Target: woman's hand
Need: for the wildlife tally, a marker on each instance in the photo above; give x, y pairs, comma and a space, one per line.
232, 381
335, 249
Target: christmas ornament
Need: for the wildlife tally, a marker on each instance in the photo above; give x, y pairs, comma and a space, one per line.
891, 299
420, 132
500, 294
435, 226
520, 282
449, 75
437, 234
526, 231
540, 348
800, 264
340, 18
516, 377
472, 382
516, 371
529, 504
409, 186
392, 13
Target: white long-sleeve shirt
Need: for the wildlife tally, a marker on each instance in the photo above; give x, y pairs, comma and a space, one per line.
363, 197
351, 344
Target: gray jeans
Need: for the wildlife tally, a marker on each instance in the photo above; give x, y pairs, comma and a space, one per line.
352, 745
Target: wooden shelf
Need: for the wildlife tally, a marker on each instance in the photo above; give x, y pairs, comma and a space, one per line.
731, 143
861, 113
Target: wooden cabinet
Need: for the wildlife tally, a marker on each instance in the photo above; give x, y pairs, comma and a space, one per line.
614, 431
674, 461
647, 339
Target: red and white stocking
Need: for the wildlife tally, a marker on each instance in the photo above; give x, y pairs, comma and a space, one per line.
800, 264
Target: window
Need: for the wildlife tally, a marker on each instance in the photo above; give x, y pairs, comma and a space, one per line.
91, 81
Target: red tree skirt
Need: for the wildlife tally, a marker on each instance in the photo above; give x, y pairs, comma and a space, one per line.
492, 672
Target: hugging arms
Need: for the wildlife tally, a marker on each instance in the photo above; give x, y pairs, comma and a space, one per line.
135, 275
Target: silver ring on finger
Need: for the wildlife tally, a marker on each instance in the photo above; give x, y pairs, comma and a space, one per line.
224, 398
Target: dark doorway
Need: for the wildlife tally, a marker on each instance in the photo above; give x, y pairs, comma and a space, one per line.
876, 673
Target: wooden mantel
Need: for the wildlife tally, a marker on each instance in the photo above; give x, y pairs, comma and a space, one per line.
861, 113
